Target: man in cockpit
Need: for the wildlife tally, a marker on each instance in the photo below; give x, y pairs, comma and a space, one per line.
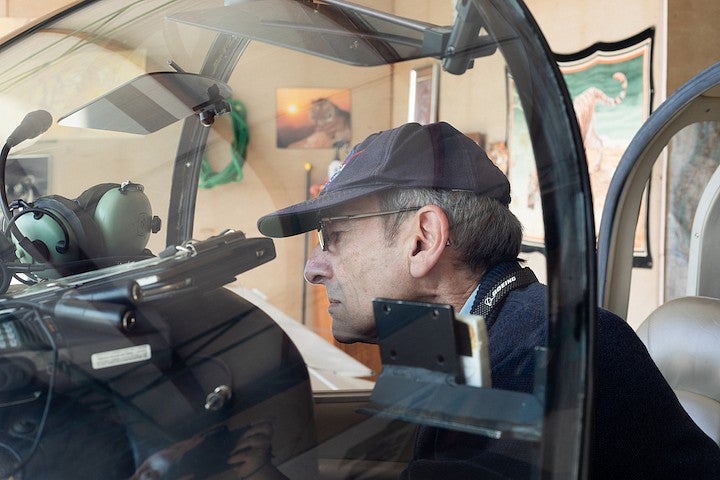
420, 213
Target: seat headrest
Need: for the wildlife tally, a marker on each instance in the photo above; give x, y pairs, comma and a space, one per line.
683, 338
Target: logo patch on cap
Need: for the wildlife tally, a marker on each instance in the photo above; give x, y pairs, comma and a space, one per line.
350, 156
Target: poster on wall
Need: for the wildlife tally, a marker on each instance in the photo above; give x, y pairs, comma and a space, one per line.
313, 117
27, 177
693, 163
521, 173
610, 85
423, 94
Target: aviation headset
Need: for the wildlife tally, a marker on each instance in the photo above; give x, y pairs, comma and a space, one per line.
106, 220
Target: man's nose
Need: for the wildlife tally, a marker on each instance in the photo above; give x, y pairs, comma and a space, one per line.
317, 269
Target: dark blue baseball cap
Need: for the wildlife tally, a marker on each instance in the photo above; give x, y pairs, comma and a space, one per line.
410, 156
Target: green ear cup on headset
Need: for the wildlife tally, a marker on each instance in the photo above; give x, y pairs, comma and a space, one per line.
52, 236
124, 217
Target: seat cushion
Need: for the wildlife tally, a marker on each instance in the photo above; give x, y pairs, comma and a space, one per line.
683, 338
704, 411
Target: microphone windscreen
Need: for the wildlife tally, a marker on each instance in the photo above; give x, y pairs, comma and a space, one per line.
32, 125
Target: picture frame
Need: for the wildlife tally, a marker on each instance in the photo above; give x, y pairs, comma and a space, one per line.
313, 117
592, 73
611, 87
27, 177
423, 94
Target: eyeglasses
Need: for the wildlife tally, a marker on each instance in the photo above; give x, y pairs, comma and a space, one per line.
322, 238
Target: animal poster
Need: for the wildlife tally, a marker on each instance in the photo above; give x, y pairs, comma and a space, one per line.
313, 118
610, 86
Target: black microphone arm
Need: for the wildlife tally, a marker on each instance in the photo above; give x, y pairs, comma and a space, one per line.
33, 124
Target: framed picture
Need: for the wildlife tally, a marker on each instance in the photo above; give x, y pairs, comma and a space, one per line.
610, 85
522, 174
313, 117
611, 88
423, 97
27, 177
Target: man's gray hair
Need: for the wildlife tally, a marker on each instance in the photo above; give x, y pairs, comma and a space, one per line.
482, 230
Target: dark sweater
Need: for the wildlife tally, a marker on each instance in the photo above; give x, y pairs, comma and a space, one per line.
640, 429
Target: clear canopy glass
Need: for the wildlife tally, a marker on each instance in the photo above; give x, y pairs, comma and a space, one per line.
176, 125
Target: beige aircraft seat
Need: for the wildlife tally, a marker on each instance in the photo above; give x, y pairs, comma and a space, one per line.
683, 338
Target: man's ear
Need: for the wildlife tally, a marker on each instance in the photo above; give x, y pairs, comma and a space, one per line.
430, 235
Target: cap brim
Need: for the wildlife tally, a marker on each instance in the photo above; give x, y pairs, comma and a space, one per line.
304, 217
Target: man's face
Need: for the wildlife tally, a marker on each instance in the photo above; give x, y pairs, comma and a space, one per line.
358, 265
